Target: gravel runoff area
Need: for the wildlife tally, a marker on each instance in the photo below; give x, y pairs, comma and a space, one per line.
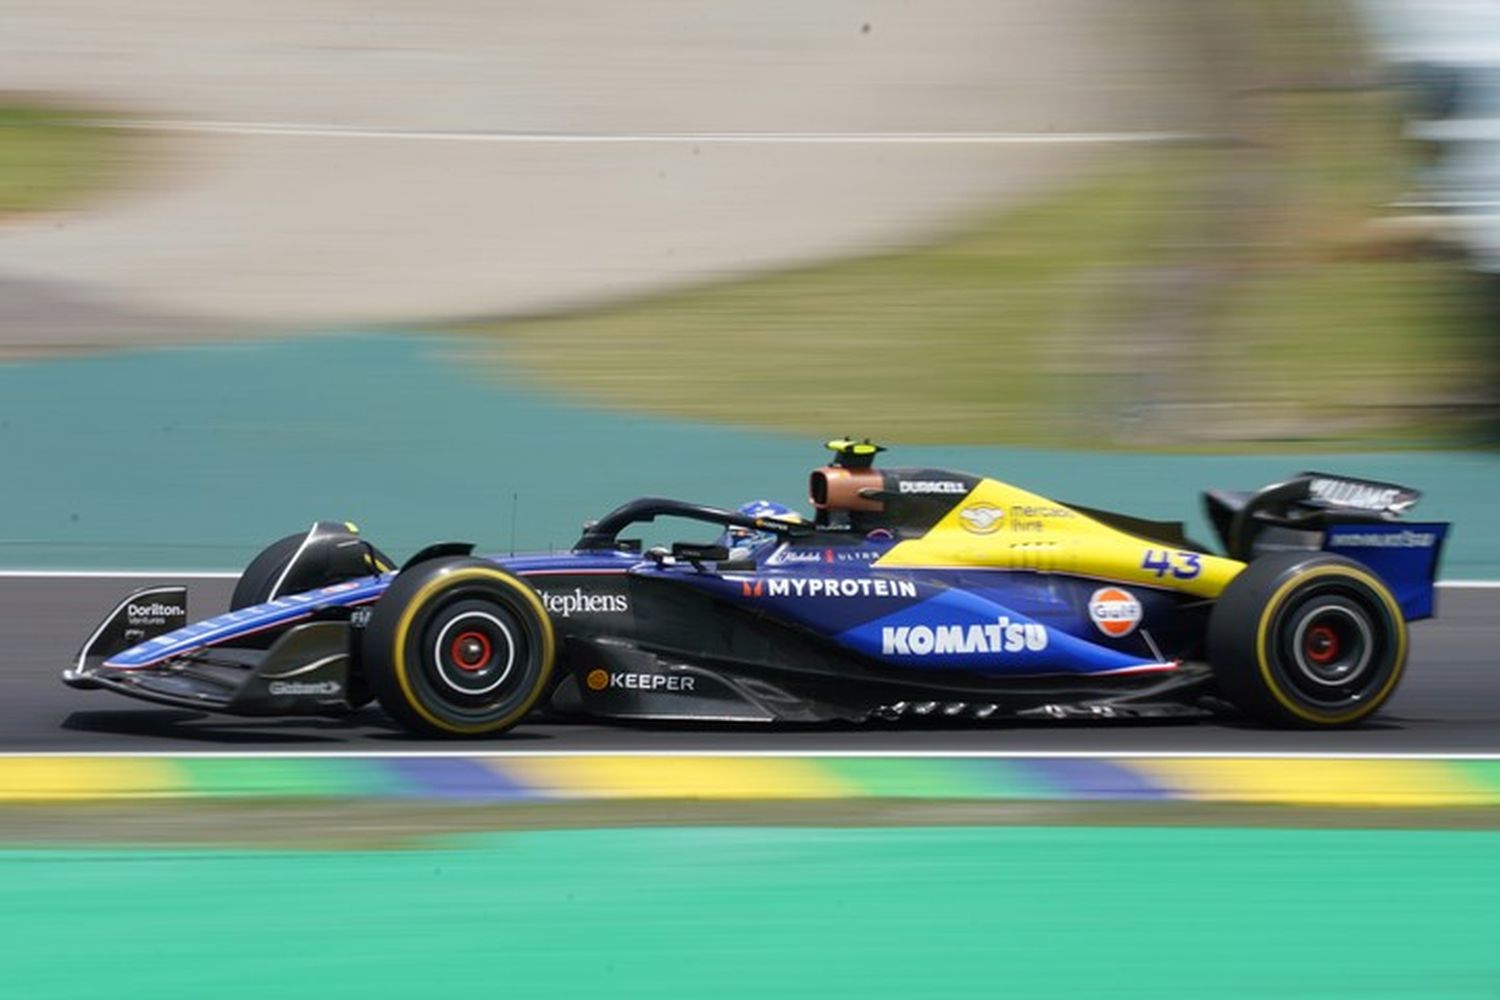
392, 184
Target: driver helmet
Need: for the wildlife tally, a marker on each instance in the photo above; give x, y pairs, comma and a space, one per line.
743, 542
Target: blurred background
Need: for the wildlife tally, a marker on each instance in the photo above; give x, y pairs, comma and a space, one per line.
483, 269
469, 266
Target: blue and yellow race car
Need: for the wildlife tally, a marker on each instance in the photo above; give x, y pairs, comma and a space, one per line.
910, 593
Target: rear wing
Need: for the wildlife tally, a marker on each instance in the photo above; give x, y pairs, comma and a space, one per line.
1362, 519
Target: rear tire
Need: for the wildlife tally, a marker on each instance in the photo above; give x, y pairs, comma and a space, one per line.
457, 647
1307, 639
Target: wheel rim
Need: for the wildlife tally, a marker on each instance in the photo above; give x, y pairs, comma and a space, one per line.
1333, 647
474, 651
470, 650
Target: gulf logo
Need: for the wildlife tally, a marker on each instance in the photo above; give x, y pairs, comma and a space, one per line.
1114, 612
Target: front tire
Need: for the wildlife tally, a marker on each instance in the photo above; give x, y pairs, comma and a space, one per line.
458, 647
1307, 639
254, 585
327, 553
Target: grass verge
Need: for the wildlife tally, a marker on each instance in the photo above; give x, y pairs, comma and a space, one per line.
1245, 293
46, 160
967, 339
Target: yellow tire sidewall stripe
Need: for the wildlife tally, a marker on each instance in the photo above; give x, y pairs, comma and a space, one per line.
421, 598
1270, 612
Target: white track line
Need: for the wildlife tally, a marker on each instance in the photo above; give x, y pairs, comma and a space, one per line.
768, 754
693, 138
118, 574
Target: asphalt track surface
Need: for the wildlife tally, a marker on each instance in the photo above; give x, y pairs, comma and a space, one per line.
1448, 703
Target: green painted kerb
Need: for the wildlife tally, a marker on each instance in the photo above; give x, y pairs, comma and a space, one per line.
278, 777
926, 778
1019, 912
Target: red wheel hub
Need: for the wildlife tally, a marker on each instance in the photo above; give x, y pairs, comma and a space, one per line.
470, 650
1322, 644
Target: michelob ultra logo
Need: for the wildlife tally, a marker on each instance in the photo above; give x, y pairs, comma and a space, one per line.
1114, 612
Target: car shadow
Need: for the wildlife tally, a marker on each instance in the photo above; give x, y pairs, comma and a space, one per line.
188, 726
1383, 723
909, 724
494, 743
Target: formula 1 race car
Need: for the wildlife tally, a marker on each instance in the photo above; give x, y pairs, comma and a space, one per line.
910, 593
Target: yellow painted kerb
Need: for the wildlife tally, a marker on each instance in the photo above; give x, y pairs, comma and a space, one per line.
675, 777
32, 779
1317, 782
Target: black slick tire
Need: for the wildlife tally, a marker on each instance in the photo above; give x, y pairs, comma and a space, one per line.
457, 647
1307, 640
254, 585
